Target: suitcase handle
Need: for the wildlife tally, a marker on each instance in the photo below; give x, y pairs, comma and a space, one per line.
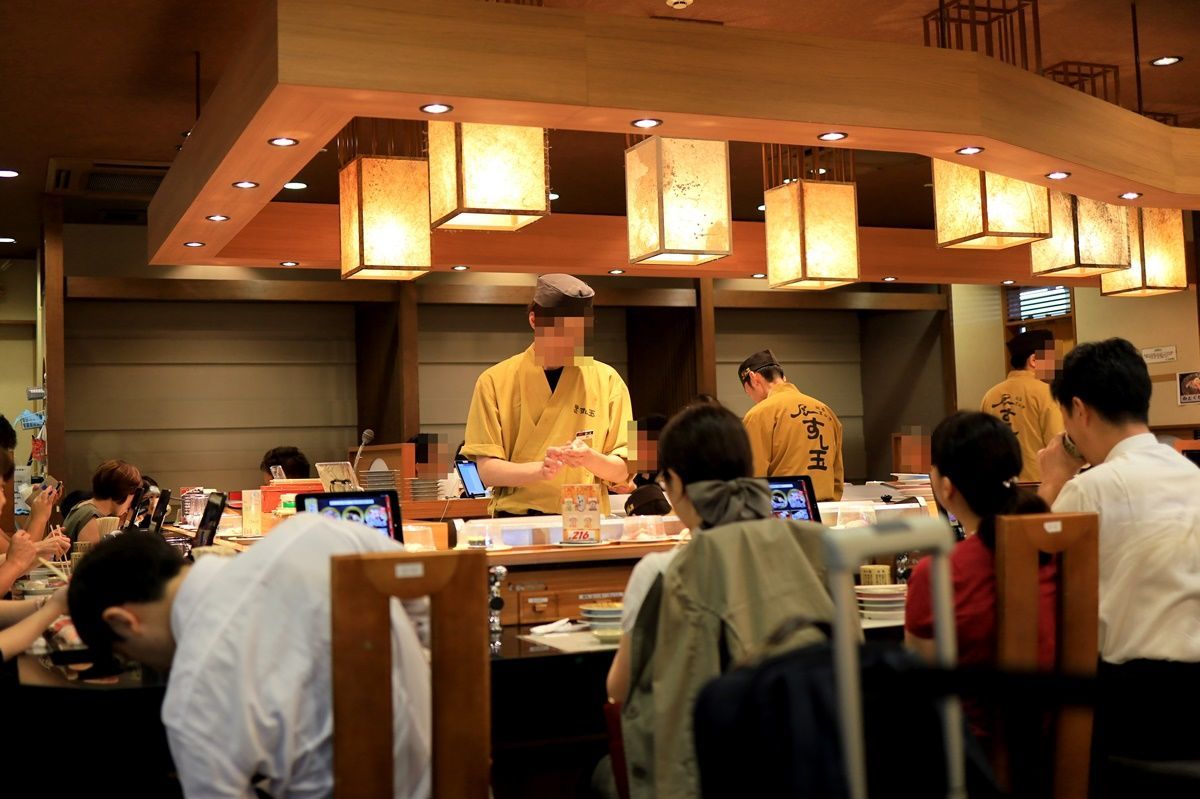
845, 551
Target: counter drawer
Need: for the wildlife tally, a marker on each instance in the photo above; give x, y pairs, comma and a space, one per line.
536, 608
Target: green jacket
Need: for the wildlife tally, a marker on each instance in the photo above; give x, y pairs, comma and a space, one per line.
718, 602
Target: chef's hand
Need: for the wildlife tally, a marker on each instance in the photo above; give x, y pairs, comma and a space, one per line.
552, 464
577, 453
22, 552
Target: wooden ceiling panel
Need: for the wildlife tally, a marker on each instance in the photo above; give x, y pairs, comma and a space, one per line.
337, 59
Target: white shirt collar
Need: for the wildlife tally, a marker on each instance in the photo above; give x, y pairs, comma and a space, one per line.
1132, 444
192, 593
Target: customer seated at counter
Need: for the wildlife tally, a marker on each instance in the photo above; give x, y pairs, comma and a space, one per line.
22, 621
293, 462
247, 640
1148, 498
975, 463
692, 612
113, 486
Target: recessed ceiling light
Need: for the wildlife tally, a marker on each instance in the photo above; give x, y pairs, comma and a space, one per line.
646, 123
193, 244
889, 279
1131, 195
553, 195
833, 135
616, 271
295, 184
289, 263
217, 218
762, 207
283, 141
970, 150
245, 184
437, 108
1007, 282
758, 275
7, 240
1058, 174
8, 173
1166, 60
460, 268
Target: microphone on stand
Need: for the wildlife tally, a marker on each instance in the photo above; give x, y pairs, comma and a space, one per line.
368, 436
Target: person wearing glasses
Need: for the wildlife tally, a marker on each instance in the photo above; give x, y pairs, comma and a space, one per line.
790, 432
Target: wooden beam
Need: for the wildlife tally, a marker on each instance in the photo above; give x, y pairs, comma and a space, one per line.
54, 271
410, 407
167, 290
309, 66
483, 294
830, 300
379, 370
706, 338
949, 367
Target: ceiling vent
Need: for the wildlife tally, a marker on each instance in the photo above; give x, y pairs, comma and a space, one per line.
85, 177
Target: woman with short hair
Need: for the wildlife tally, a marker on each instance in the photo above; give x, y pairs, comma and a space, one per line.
113, 486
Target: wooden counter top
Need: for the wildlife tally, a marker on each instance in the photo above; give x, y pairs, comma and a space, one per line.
549, 555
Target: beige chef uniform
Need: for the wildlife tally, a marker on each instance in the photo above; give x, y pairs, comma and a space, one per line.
1025, 403
515, 416
792, 433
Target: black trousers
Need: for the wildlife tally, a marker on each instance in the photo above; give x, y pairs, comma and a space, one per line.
1147, 714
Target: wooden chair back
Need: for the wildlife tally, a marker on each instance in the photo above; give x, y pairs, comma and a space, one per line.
456, 584
1074, 537
1185, 445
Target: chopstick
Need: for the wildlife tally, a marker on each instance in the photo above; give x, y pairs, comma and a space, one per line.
59, 573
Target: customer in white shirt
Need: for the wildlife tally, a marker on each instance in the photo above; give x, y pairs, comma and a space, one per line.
1148, 499
247, 639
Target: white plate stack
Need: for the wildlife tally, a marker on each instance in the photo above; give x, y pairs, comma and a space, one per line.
379, 480
882, 602
423, 488
603, 618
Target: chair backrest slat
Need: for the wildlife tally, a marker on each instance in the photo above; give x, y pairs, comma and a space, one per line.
362, 586
1019, 540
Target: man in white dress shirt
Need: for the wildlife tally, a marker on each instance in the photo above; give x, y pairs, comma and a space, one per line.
1148, 499
249, 705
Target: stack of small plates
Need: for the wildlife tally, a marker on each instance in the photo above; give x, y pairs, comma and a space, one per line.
423, 488
381, 480
882, 602
603, 618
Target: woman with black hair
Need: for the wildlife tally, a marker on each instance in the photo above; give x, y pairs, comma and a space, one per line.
693, 613
976, 460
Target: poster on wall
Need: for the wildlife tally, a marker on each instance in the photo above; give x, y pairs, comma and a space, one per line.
1189, 387
1159, 354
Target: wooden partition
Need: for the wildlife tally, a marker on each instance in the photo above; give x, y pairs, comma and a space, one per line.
1074, 537
456, 584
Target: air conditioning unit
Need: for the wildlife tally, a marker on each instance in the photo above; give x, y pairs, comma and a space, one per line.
98, 179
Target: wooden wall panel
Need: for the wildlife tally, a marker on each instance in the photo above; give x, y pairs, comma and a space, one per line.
821, 354
457, 343
902, 380
201, 390
54, 279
